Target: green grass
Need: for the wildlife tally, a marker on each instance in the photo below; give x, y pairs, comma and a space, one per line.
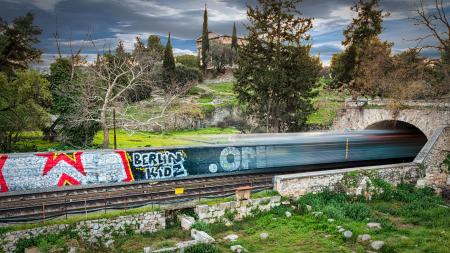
154, 139
412, 221
325, 103
222, 87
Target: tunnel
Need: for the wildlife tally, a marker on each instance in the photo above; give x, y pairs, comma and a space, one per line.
403, 128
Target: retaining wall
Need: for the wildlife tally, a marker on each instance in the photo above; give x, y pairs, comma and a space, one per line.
236, 209
426, 170
98, 231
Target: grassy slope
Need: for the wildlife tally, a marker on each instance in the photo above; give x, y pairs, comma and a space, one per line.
152, 139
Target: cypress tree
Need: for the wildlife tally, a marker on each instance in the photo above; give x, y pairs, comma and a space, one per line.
168, 65
205, 41
234, 42
168, 61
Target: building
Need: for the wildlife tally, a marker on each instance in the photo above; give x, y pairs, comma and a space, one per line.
219, 38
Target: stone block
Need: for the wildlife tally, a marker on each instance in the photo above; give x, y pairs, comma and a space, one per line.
186, 222
201, 236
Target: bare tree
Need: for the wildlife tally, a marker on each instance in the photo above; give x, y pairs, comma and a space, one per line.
103, 86
437, 24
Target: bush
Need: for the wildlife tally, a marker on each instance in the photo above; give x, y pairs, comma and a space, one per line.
185, 74
187, 60
202, 248
357, 211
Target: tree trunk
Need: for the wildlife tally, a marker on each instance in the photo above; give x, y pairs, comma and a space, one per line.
105, 129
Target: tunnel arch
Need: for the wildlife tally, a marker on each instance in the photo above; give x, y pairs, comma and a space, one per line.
405, 127
396, 125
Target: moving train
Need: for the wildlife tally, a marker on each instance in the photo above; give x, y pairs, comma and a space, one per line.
216, 155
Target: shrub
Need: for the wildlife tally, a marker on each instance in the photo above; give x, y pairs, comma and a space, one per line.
357, 211
187, 60
185, 74
202, 248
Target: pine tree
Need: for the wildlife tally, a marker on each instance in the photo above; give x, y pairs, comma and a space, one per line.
366, 26
276, 74
234, 41
205, 41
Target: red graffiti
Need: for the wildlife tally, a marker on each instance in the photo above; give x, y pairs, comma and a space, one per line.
54, 158
3, 185
67, 180
126, 166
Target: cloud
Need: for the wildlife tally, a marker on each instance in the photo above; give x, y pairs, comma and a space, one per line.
46, 5
179, 51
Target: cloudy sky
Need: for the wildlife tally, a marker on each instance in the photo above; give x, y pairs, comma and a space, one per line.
107, 21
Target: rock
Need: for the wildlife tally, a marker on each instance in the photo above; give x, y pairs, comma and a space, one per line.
264, 236
330, 220
309, 208
201, 236
148, 250
317, 213
288, 214
376, 245
228, 223
186, 222
32, 250
340, 230
285, 203
109, 243
72, 250
231, 238
364, 237
338, 227
348, 234
237, 249
374, 225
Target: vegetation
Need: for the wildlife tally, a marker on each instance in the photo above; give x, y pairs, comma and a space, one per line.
276, 74
412, 220
205, 41
188, 60
22, 105
221, 56
234, 40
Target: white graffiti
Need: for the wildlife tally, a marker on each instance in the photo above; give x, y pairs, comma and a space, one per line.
244, 158
160, 164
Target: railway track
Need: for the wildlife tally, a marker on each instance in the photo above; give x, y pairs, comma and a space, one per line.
42, 205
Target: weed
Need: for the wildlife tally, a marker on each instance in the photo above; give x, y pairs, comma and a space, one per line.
202, 248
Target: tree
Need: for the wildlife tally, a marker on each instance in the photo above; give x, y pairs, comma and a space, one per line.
205, 41
16, 44
100, 91
187, 60
22, 105
168, 63
234, 40
139, 47
221, 55
366, 25
154, 44
65, 90
438, 26
120, 50
276, 74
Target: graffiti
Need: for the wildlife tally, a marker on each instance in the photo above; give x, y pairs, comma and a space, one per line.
3, 185
20, 172
245, 158
159, 164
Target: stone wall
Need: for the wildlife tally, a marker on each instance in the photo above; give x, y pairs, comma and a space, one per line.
294, 185
427, 120
98, 231
235, 209
432, 156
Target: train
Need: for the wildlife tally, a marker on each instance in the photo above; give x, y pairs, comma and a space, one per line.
215, 156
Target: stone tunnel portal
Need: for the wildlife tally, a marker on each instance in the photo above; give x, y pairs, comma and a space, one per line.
404, 127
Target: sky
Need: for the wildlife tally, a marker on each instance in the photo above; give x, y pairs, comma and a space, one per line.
107, 21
